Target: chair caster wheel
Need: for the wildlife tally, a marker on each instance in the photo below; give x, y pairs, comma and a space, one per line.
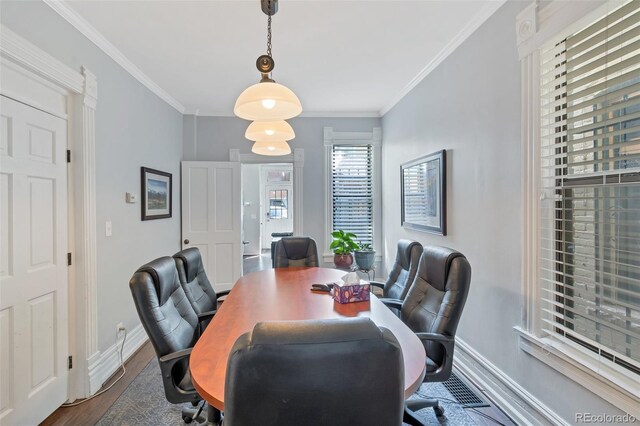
187, 419
195, 403
439, 411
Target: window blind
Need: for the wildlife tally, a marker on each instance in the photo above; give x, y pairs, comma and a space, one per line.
589, 226
352, 190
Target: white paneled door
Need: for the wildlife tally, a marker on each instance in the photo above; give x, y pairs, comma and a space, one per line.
211, 218
278, 211
33, 267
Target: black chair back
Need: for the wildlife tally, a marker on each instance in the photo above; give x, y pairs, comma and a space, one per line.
296, 251
404, 269
170, 323
435, 302
194, 280
345, 372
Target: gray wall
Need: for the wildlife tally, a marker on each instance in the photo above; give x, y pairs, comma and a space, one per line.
470, 106
210, 138
134, 128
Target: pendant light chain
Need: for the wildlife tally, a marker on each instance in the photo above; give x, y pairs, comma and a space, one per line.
269, 37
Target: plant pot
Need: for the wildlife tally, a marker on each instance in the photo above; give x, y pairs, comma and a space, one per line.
365, 259
343, 261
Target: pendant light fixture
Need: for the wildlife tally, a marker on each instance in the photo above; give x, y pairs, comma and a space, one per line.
271, 148
267, 100
269, 131
268, 103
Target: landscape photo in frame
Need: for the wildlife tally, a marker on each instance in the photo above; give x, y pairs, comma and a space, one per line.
156, 189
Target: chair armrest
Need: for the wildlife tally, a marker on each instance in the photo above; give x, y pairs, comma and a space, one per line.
174, 357
447, 342
392, 303
222, 293
377, 284
174, 393
434, 337
206, 316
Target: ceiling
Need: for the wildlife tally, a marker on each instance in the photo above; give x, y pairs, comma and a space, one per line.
339, 57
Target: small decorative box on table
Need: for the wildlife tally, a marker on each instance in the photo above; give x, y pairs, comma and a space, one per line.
351, 289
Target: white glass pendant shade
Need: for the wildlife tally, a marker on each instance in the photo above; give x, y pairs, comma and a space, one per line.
269, 131
267, 102
271, 148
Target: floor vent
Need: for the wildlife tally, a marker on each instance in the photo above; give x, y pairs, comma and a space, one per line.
461, 393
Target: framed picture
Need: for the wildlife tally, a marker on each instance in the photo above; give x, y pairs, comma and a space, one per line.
156, 189
424, 203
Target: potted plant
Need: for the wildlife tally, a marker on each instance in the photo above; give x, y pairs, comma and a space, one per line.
365, 256
342, 247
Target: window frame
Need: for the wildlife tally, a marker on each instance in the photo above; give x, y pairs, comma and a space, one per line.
373, 138
535, 28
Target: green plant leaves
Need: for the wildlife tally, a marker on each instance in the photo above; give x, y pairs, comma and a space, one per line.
343, 242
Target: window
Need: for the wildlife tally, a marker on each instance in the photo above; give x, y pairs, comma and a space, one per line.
352, 190
589, 223
278, 201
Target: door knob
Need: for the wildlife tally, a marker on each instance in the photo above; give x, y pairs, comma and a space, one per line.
186, 241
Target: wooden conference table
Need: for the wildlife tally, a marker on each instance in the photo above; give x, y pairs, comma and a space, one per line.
284, 294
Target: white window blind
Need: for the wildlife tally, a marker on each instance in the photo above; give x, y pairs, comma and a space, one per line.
352, 190
589, 229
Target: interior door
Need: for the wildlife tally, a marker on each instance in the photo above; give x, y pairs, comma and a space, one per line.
211, 218
278, 214
33, 263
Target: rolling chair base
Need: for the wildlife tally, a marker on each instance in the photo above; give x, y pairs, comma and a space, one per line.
213, 416
410, 408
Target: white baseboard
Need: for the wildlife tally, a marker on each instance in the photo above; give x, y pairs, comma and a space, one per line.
106, 363
522, 407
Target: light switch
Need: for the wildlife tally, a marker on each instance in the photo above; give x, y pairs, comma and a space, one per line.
107, 229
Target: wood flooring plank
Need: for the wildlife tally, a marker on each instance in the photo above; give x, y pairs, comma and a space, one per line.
91, 411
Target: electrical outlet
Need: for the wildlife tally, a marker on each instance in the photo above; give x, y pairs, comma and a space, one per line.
120, 329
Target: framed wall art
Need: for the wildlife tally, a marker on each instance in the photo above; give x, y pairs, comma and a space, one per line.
156, 189
423, 189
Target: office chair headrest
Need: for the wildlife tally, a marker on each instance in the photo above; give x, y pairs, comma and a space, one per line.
405, 247
164, 275
314, 331
192, 261
436, 263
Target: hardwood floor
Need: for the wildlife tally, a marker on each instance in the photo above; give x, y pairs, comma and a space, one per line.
256, 263
91, 411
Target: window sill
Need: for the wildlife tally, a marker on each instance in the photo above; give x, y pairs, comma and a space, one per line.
614, 386
328, 257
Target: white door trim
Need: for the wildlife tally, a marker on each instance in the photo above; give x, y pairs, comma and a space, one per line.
297, 158
81, 99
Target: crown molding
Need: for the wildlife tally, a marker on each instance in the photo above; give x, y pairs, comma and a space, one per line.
485, 13
85, 28
307, 114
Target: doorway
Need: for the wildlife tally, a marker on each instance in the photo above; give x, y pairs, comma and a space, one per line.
267, 209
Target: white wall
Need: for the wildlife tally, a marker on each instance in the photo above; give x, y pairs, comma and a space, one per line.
134, 128
210, 138
470, 106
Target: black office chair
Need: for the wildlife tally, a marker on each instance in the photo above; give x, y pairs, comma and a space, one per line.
432, 309
196, 285
345, 372
296, 251
172, 327
403, 271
